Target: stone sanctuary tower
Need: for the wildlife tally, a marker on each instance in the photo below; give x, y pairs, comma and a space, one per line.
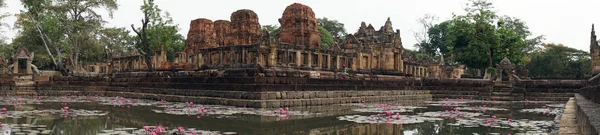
595, 52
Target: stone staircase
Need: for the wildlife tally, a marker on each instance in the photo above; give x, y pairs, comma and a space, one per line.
501, 93
24, 81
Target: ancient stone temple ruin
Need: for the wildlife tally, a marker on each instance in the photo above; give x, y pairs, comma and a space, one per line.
133, 62
241, 44
3, 66
595, 52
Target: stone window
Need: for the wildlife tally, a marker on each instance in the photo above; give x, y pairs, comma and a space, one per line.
315, 60
325, 60
292, 57
334, 62
280, 56
349, 63
304, 59
364, 63
265, 59
375, 62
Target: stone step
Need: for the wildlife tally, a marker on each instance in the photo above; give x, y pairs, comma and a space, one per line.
501, 98
501, 93
24, 88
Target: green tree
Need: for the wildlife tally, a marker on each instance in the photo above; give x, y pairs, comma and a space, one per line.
6, 50
326, 38
163, 32
2, 16
480, 38
65, 28
39, 26
272, 29
150, 11
82, 24
424, 43
116, 41
557, 60
335, 28
438, 41
157, 30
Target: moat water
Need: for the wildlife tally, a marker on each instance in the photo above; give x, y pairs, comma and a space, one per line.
94, 115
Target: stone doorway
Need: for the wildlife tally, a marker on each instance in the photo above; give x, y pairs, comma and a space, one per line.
22, 66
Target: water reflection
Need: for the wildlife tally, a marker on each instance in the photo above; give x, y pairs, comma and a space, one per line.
322, 121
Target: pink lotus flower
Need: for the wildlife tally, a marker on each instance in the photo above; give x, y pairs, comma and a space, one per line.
509, 120
180, 128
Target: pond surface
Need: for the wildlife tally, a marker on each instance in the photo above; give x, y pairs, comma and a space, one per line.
91, 115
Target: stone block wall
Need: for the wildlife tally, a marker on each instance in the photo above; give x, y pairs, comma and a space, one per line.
257, 91
590, 91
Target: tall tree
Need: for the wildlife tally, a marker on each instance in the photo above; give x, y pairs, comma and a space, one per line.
83, 23
557, 60
116, 41
157, 30
40, 26
150, 11
438, 41
2, 16
423, 42
480, 38
63, 26
326, 38
333, 26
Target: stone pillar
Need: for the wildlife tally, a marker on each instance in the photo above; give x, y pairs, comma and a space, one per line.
273, 57
244, 54
320, 58
299, 58
337, 62
15, 66
400, 63
199, 60
309, 57
221, 55
389, 61
328, 57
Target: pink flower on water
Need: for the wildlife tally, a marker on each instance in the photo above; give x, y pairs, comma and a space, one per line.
509, 120
147, 128
180, 128
494, 116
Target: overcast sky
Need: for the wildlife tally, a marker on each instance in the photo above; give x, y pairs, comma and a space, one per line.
562, 21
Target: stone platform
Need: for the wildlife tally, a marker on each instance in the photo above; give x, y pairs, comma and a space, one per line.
568, 120
588, 120
283, 88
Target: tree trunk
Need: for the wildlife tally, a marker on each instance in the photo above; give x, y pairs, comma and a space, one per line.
490, 58
58, 64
